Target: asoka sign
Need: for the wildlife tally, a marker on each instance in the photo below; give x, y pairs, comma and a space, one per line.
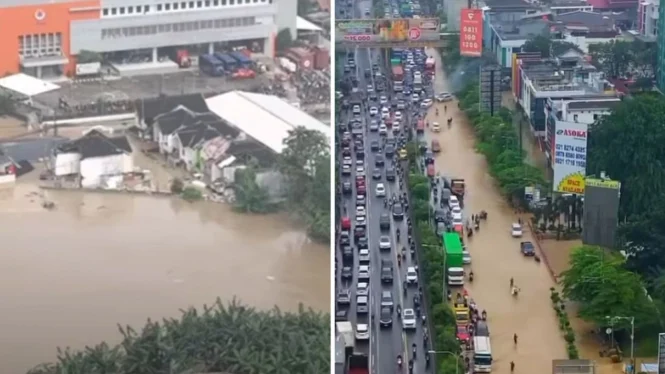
573, 133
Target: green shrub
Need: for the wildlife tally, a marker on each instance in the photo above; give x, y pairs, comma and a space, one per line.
191, 194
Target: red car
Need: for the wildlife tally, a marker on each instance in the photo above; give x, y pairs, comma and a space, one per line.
463, 334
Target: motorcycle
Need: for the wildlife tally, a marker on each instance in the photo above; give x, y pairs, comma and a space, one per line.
471, 277
399, 361
514, 291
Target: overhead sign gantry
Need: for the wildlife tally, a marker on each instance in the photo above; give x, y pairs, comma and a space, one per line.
389, 33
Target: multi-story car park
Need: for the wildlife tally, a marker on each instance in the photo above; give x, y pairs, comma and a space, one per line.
43, 37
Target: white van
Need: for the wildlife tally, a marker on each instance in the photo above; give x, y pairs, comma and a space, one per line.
453, 201
455, 276
385, 112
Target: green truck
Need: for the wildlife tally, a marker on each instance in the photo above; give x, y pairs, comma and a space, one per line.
454, 261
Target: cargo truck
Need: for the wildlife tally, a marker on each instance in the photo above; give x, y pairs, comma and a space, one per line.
180, 57
457, 186
230, 64
454, 261
345, 329
243, 60
210, 65
398, 73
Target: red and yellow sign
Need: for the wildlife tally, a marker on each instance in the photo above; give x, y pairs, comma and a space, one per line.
572, 183
471, 32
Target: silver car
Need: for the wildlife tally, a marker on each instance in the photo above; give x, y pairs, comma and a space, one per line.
408, 319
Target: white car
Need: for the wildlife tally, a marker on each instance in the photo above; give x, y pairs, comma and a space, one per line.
398, 116
383, 129
443, 97
362, 331
457, 221
360, 211
360, 170
383, 100
466, 257
457, 217
361, 220
373, 126
456, 210
363, 256
373, 111
426, 103
370, 88
409, 319
347, 161
384, 242
411, 275
380, 190
453, 201
385, 113
362, 289
415, 98
396, 127
363, 272
516, 230
346, 169
435, 127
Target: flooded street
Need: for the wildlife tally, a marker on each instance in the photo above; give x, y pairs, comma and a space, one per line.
496, 256
68, 276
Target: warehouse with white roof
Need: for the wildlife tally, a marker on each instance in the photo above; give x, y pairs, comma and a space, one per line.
266, 118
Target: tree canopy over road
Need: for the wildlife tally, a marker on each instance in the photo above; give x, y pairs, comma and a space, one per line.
231, 338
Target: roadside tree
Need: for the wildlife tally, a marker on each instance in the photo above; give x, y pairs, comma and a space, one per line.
250, 197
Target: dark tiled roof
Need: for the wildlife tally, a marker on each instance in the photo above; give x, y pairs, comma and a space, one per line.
96, 144
588, 19
254, 149
193, 135
151, 108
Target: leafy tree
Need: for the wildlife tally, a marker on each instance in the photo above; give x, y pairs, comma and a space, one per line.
421, 191
614, 57
538, 43
305, 165
250, 197
223, 338
643, 237
602, 287
284, 39
627, 144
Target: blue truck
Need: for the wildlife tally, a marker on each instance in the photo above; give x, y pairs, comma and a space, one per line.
244, 61
230, 63
210, 65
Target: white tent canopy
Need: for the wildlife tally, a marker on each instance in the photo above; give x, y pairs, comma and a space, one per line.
305, 25
268, 119
27, 85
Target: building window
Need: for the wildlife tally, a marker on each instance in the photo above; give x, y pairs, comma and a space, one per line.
207, 4
113, 11
595, 117
191, 5
183, 5
146, 8
130, 10
175, 6
105, 12
216, 3
199, 4
159, 7
122, 10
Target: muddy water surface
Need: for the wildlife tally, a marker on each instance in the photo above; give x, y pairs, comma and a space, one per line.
496, 257
68, 276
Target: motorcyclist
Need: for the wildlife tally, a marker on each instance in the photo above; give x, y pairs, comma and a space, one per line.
471, 276
414, 347
397, 233
437, 112
399, 360
399, 310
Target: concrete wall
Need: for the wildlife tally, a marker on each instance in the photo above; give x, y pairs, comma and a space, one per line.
87, 34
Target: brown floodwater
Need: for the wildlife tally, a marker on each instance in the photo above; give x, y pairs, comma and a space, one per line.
68, 276
496, 256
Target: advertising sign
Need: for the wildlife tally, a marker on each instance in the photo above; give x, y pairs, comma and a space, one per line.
373, 31
569, 164
602, 183
90, 68
471, 32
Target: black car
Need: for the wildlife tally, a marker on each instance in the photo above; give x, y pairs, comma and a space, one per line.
390, 174
386, 275
345, 104
384, 222
386, 317
344, 238
398, 211
347, 253
347, 273
379, 161
375, 146
342, 315
368, 73
347, 189
527, 249
360, 153
376, 174
362, 243
359, 232
373, 97
390, 150
343, 297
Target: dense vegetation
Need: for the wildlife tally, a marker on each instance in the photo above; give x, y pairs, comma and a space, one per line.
305, 166
223, 338
432, 264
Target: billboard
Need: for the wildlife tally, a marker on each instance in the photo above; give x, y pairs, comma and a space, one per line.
601, 209
387, 31
569, 157
471, 32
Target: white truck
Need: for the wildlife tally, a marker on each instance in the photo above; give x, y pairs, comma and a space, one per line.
345, 329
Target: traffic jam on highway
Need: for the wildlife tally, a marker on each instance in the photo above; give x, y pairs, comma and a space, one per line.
380, 310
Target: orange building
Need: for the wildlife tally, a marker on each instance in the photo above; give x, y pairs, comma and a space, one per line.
36, 37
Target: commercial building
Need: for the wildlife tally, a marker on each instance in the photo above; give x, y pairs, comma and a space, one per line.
647, 17
42, 35
568, 77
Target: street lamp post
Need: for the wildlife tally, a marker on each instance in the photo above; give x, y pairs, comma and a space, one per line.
632, 336
448, 353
